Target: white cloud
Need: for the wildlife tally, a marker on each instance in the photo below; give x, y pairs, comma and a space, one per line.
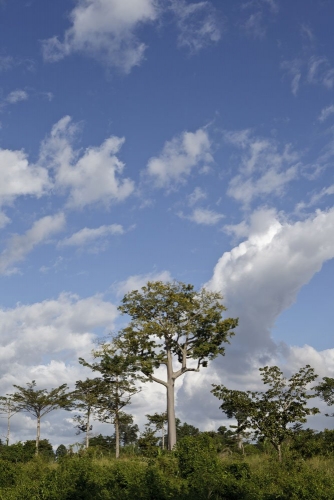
105, 30
179, 157
16, 96
315, 70
253, 26
137, 281
19, 178
6, 63
262, 276
263, 168
197, 195
94, 177
19, 246
88, 235
198, 23
320, 71
204, 216
4, 220
294, 69
54, 329
326, 112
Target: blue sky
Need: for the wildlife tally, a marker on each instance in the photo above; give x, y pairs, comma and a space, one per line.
169, 139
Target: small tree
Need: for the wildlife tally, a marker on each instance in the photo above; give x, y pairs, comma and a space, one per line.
119, 385
270, 413
238, 405
40, 402
86, 399
171, 322
159, 420
325, 390
8, 408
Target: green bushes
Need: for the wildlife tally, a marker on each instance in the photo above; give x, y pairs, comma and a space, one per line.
193, 471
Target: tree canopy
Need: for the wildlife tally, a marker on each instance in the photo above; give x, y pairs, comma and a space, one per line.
173, 323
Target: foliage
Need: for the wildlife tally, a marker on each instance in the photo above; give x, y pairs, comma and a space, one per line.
118, 385
40, 402
269, 413
325, 390
171, 322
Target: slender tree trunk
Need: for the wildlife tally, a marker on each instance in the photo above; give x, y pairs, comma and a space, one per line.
117, 434
240, 442
279, 450
38, 433
8, 430
163, 437
87, 428
170, 403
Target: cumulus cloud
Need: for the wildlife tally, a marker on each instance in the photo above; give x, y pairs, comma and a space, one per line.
105, 30
326, 112
262, 276
91, 177
263, 170
19, 178
19, 246
198, 23
88, 235
42, 342
179, 157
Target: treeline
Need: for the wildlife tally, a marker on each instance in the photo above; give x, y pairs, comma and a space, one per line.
171, 325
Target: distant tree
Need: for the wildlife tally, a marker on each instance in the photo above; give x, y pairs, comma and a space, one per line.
120, 377
271, 413
128, 431
104, 443
237, 405
148, 442
45, 449
159, 421
183, 430
171, 322
40, 402
61, 451
86, 399
325, 390
8, 408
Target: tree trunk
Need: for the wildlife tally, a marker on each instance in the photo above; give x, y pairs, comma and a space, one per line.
8, 430
87, 428
170, 403
240, 442
38, 433
279, 453
117, 434
163, 437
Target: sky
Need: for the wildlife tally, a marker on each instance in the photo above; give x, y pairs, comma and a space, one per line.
165, 140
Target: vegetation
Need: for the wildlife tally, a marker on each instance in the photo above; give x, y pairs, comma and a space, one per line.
266, 455
171, 322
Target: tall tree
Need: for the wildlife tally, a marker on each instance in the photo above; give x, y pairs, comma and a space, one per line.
238, 405
120, 378
40, 402
8, 408
86, 399
172, 323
